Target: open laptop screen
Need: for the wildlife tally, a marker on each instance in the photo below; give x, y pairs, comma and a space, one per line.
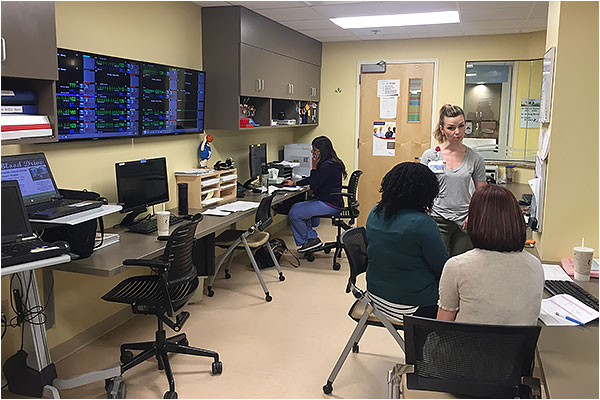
14, 218
33, 174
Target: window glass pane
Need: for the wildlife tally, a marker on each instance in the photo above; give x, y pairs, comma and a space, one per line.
414, 100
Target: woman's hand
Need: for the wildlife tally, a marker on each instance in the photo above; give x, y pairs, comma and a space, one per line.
288, 182
315, 159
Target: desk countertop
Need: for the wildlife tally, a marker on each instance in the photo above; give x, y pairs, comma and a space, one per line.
108, 261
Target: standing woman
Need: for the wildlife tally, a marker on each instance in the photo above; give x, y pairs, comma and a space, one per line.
455, 166
325, 181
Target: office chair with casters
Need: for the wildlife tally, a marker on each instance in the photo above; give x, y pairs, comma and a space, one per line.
467, 359
254, 237
164, 294
354, 242
349, 213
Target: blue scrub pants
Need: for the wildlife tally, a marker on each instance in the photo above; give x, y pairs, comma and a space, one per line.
302, 218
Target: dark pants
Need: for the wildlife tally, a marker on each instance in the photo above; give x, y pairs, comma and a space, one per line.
456, 240
427, 312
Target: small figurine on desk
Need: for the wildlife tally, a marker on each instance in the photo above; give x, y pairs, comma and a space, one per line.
204, 151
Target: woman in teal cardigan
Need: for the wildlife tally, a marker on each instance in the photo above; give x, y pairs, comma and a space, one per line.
405, 249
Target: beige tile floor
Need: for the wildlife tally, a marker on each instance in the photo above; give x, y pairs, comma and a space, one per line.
282, 349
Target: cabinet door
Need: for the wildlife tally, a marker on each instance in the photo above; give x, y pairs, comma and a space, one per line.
307, 82
262, 73
29, 40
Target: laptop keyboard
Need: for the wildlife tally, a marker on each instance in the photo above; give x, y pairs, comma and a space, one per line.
11, 249
54, 204
29, 250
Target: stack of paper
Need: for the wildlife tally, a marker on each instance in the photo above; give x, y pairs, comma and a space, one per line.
284, 188
564, 309
21, 126
229, 208
195, 172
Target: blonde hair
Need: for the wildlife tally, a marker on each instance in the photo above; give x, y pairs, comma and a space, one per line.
450, 111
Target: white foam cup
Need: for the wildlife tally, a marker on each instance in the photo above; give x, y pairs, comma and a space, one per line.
162, 222
582, 260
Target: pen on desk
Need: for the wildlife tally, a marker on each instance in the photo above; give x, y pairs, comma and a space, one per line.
569, 319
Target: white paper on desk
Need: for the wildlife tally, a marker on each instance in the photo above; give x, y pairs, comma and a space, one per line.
555, 273
238, 206
216, 213
285, 188
565, 305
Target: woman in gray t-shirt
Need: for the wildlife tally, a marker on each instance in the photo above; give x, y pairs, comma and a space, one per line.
455, 166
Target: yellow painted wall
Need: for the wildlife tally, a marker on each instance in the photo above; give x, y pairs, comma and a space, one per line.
529, 86
571, 209
339, 70
162, 32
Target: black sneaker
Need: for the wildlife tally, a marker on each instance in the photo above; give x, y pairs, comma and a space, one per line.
311, 244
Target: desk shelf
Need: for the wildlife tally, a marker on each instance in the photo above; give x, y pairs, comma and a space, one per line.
217, 184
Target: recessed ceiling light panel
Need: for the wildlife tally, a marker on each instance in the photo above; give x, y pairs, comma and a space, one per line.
377, 21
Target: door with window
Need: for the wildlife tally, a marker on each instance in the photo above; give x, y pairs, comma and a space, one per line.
394, 126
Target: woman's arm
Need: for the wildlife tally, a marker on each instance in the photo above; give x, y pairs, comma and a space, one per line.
480, 184
446, 315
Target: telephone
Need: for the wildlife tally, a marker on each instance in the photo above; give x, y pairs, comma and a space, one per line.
225, 165
241, 190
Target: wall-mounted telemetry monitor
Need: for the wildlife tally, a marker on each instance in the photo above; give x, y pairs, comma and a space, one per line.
172, 100
140, 184
96, 96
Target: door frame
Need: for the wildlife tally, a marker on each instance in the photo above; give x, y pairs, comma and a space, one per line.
435, 62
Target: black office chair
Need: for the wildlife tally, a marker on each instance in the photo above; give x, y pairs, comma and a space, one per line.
467, 359
164, 292
349, 213
354, 242
254, 237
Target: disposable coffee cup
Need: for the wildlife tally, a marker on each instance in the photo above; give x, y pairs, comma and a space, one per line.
582, 260
162, 222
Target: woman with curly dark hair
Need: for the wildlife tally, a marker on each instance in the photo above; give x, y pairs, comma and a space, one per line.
404, 246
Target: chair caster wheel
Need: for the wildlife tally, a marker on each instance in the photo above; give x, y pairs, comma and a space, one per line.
227, 275
170, 395
310, 257
327, 389
184, 342
336, 266
115, 388
126, 356
217, 367
211, 292
281, 277
268, 298
355, 348
326, 250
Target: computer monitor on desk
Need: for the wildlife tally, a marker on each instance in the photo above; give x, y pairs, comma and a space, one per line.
258, 162
140, 184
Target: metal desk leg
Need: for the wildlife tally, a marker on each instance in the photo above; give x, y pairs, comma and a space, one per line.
48, 283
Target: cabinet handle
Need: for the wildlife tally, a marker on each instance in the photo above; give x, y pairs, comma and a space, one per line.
3, 49
292, 88
258, 85
262, 84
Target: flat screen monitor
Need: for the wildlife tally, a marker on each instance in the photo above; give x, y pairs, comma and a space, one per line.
258, 159
172, 100
97, 96
140, 184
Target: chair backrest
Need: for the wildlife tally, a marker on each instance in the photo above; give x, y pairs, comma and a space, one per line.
263, 213
469, 359
354, 242
353, 184
178, 252
350, 209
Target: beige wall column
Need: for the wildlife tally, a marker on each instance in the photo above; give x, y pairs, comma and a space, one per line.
571, 203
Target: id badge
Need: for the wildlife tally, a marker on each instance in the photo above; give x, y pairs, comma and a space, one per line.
437, 166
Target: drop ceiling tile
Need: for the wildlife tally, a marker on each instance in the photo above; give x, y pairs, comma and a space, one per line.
290, 14
328, 3
540, 10
500, 24
489, 30
451, 29
211, 3
384, 37
489, 14
483, 5
339, 39
351, 9
310, 24
339, 32
411, 7
425, 35
536, 23
390, 30
262, 5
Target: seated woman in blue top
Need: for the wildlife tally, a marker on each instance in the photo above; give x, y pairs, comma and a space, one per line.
324, 180
404, 246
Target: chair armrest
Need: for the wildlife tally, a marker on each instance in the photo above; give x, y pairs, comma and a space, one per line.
533, 384
144, 262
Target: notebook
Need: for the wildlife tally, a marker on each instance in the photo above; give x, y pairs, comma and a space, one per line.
19, 244
40, 194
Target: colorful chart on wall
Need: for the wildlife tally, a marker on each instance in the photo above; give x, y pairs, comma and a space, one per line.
384, 138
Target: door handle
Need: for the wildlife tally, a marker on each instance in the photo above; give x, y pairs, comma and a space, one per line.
3, 49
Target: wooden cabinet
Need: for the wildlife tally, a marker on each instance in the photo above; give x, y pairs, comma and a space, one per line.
251, 59
210, 189
29, 60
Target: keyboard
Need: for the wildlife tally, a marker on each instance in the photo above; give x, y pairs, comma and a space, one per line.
568, 287
149, 225
30, 250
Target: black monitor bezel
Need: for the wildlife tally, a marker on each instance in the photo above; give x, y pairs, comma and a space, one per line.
250, 149
139, 207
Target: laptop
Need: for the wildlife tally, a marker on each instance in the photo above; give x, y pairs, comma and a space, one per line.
19, 244
40, 194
